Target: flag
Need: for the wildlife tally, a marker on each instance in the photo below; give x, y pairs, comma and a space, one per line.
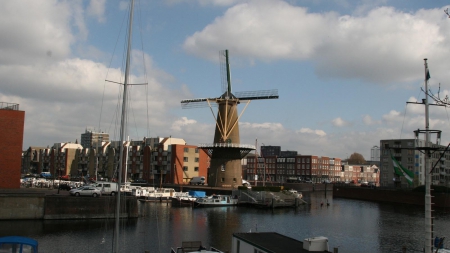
428, 74
401, 171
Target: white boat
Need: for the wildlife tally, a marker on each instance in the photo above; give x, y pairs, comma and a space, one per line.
163, 194
188, 200
216, 200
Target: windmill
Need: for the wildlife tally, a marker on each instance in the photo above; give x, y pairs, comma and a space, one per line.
226, 151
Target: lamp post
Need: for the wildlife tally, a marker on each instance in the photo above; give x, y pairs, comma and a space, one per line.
264, 168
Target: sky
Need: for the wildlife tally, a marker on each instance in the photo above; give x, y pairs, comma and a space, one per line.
344, 69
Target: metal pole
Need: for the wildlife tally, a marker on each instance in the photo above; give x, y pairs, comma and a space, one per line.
122, 132
428, 219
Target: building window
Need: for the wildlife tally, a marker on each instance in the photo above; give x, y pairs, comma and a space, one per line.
185, 168
196, 150
186, 150
186, 159
195, 168
196, 159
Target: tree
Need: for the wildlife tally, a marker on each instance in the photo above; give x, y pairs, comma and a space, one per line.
356, 158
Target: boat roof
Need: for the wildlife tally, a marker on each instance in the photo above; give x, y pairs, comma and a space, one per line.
18, 239
271, 242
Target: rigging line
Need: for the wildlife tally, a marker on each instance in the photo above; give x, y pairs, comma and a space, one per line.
145, 68
110, 63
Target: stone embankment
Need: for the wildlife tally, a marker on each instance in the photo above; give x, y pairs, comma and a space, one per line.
43, 203
399, 196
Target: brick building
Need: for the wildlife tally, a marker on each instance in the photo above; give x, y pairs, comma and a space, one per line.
11, 135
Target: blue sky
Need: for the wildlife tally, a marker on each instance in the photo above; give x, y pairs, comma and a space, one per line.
344, 70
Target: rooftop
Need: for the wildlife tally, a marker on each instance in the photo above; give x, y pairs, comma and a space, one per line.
9, 106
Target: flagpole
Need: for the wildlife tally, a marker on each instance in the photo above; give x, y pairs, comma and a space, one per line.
428, 219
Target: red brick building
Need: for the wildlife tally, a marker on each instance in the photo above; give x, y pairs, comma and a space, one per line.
11, 135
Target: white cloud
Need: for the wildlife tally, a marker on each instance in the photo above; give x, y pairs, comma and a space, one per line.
339, 122
369, 121
178, 124
346, 47
96, 8
311, 131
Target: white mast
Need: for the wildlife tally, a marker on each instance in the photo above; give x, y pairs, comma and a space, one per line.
122, 133
428, 218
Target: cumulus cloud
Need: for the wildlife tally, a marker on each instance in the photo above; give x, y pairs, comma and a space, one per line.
339, 122
96, 8
311, 131
369, 121
341, 46
178, 124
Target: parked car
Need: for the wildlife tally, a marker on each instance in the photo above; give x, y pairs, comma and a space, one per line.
65, 177
308, 181
326, 181
86, 191
66, 187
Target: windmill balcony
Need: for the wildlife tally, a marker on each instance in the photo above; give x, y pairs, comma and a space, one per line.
226, 145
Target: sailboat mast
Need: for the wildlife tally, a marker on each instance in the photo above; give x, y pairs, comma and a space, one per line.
428, 218
123, 131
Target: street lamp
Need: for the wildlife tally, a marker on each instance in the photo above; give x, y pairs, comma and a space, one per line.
99, 139
264, 168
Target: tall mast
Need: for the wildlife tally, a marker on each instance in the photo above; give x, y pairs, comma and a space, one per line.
122, 132
428, 218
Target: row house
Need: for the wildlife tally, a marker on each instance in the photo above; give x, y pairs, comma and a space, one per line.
158, 160
280, 169
360, 173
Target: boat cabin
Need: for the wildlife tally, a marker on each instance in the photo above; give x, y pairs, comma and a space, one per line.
18, 244
262, 242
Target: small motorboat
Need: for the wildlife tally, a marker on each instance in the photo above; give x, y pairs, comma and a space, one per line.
18, 244
216, 200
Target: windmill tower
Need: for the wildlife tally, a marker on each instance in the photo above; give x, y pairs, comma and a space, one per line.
227, 151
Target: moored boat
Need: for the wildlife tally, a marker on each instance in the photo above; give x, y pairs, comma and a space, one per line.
18, 244
262, 242
163, 194
188, 200
216, 200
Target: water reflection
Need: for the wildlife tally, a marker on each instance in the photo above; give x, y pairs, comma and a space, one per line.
350, 225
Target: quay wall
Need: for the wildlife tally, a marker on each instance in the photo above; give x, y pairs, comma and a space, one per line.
48, 207
63, 207
22, 206
390, 196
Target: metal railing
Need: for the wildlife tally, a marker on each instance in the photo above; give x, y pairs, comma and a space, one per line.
9, 106
226, 145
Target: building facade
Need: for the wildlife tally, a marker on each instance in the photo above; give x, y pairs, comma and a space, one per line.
91, 139
410, 154
292, 168
12, 122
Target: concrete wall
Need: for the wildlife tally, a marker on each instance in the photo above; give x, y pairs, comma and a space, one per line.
392, 196
22, 206
40, 206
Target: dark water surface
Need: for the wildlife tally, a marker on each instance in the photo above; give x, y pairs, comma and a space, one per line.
351, 225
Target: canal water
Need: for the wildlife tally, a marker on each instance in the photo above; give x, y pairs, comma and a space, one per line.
352, 226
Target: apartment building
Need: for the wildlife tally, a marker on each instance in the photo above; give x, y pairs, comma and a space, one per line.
282, 169
410, 153
12, 125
